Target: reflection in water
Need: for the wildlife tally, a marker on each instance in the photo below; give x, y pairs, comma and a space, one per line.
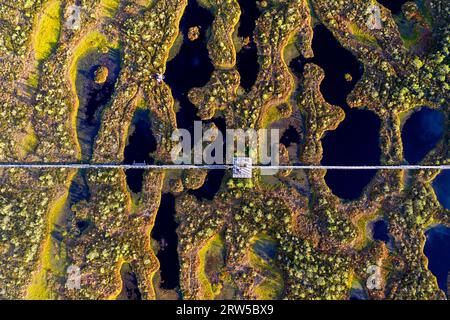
93, 97
356, 140
437, 250
441, 187
421, 132
141, 143
130, 288
191, 67
164, 231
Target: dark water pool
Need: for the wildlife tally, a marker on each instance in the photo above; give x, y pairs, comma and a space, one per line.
290, 136
380, 231
394, 5
356, 140
211, 186
421, 133
164, 231
191, 67
437, 250
247, 58
441, 187
141, 143
93, 97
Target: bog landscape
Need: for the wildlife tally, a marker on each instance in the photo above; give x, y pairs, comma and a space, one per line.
93, 206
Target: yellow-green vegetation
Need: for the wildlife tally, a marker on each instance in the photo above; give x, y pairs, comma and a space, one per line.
33, 79
211, 254
361, 224
29, 142
101, 74
275, 113
47, 31
52, 254
92, 41
272, 284
361, 35
109, 7
176, 46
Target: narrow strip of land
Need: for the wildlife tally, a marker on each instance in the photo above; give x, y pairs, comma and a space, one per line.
210, 167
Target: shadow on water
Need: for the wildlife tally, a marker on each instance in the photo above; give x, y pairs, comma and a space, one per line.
247, 58
356, 140
141, 143
394, 5
164, 231
421, 133
93, 97
191, 67
441, 187
130, 288
437, 250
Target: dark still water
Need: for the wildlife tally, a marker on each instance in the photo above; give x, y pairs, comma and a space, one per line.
141, 143
211, 186
247, 58
164, 231
394, 5
380, 231
93, 97
421, 133
191, 67
437, 250
290, 136
356, 140
441, 187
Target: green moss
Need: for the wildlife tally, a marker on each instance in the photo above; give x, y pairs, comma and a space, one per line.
213, 250
272, 284
109, 7
175, 49
29, 142
52, 256
363, 36
47, 31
